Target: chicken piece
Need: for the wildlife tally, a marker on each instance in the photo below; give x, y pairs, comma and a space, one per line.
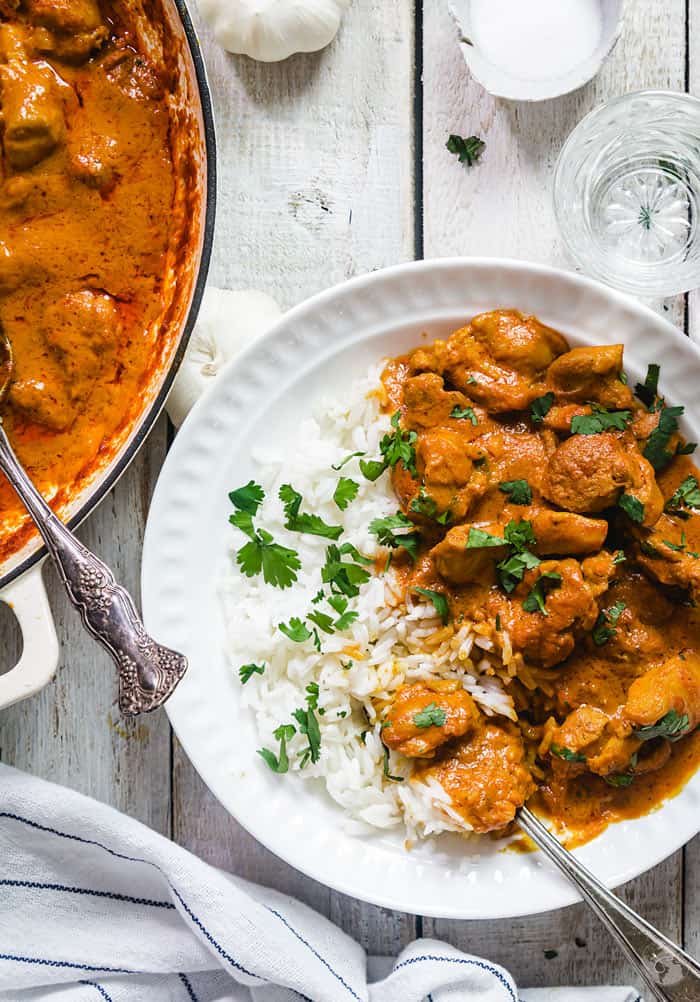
82, 328
570, 611
559, 416
669, 554
673, 685
32, 108
597, 572
461, 564
441, 458
486, 776
562, 532
427, 403
500, 359
644, 486
43, 399
591, 373
17, 269
411, 723
606, 745
68, 29
430, 358
588, 473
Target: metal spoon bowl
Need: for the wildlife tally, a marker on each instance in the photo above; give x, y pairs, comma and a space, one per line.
148, 672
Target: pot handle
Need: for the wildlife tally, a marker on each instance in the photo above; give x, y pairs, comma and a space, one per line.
27, 598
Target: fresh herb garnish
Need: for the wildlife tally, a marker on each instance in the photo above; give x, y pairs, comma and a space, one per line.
600, 420
346, 492
345, 576
541, 407
656, 448
648, 550
396, 446
248, 498
394, 779
686, 450
478, 539
620, 779
605, 624
687, 495
518, 491
278, 563
464, 414
353, 455
312, 525
632, 507
296, 630
672, 726
619, 557
439, 601
511, 571
279, 763
561, 751
430, 716
423, 504
468, 150
547, 582
387, 532
648, 391
246, 672
681, 547
309, 728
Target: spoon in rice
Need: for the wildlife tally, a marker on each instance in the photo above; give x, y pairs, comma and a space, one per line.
148, 672
668, 971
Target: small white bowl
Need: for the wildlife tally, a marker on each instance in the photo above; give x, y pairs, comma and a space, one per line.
557, 67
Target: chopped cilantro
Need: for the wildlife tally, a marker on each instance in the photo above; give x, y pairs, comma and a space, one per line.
246, 672
648, 550
278, 563
671, 726
309, 728
345, 577
439, 601
346, 492
464, 414
648, 391
478, 539
387, 532
632, 507
512, 570
655, 450
312, 525
535, 601
423, 504
296, 630
321, 620
396, 446
600, 420
619, 557
248, 498
519, 535
686, 450
540, 407
561, 751
468, 149
343, 462
604, 628
394, 779
620, 779
518, 491
430, 716
279, 763
687, 495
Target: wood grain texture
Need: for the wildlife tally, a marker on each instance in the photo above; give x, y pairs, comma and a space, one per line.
316, 185
503, 206
71, 732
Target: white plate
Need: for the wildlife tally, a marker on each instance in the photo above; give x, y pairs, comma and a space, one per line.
320, 346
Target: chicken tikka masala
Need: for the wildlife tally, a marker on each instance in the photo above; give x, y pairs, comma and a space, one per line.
88, 216
559, 507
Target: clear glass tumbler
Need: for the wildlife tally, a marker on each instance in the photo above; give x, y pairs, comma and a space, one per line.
627, 193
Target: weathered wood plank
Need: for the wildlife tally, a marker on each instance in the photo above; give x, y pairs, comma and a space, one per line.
316, 165
71, 732
503, 206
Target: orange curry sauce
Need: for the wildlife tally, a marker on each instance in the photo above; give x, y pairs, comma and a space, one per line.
613, 647
86, 213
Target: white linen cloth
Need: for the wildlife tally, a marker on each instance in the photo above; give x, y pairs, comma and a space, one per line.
95, 906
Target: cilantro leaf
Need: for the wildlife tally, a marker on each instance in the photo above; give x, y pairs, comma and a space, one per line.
243, 520
386, 531
561, 751
619, 557
686, 450
248, 498
296, 630
604, 628
518, 491
353, 455
621, 779
648, 391
312, 525
430, 716
478, 539
600, 420
547, 582
372, 469
439, 601
671, 726
278, 563
468, 150
632, 507
322, 620
655, 450
309, 727
346, 492
246, 672
396, 446
346, 620
394, 779
464, 413
541, 407
519, 535
345, 577
511, 571
423, 504
279, 764
687, 495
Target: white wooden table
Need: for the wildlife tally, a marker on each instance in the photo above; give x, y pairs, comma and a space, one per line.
332, 165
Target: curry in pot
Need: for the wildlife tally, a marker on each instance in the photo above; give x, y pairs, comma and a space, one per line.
558, 506
88, 219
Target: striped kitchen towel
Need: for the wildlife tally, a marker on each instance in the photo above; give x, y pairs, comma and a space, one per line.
95, 906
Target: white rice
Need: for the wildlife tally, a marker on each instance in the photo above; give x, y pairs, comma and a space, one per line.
385, 645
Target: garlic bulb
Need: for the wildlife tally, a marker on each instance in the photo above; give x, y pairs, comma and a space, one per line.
271, 30
227, 322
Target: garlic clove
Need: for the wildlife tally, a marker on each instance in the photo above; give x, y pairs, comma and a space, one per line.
271, 30
227, 322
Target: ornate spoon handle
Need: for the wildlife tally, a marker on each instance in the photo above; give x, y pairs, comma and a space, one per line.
669, 972
148, 672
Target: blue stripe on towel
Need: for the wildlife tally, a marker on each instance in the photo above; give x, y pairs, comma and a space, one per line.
315, 953
100, 989
460, 960
112, 895
43, 962
188, 987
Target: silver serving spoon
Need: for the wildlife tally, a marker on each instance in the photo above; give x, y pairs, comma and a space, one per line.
148, 672
669, 972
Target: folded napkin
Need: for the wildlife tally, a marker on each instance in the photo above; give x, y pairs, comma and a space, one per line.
94, 905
